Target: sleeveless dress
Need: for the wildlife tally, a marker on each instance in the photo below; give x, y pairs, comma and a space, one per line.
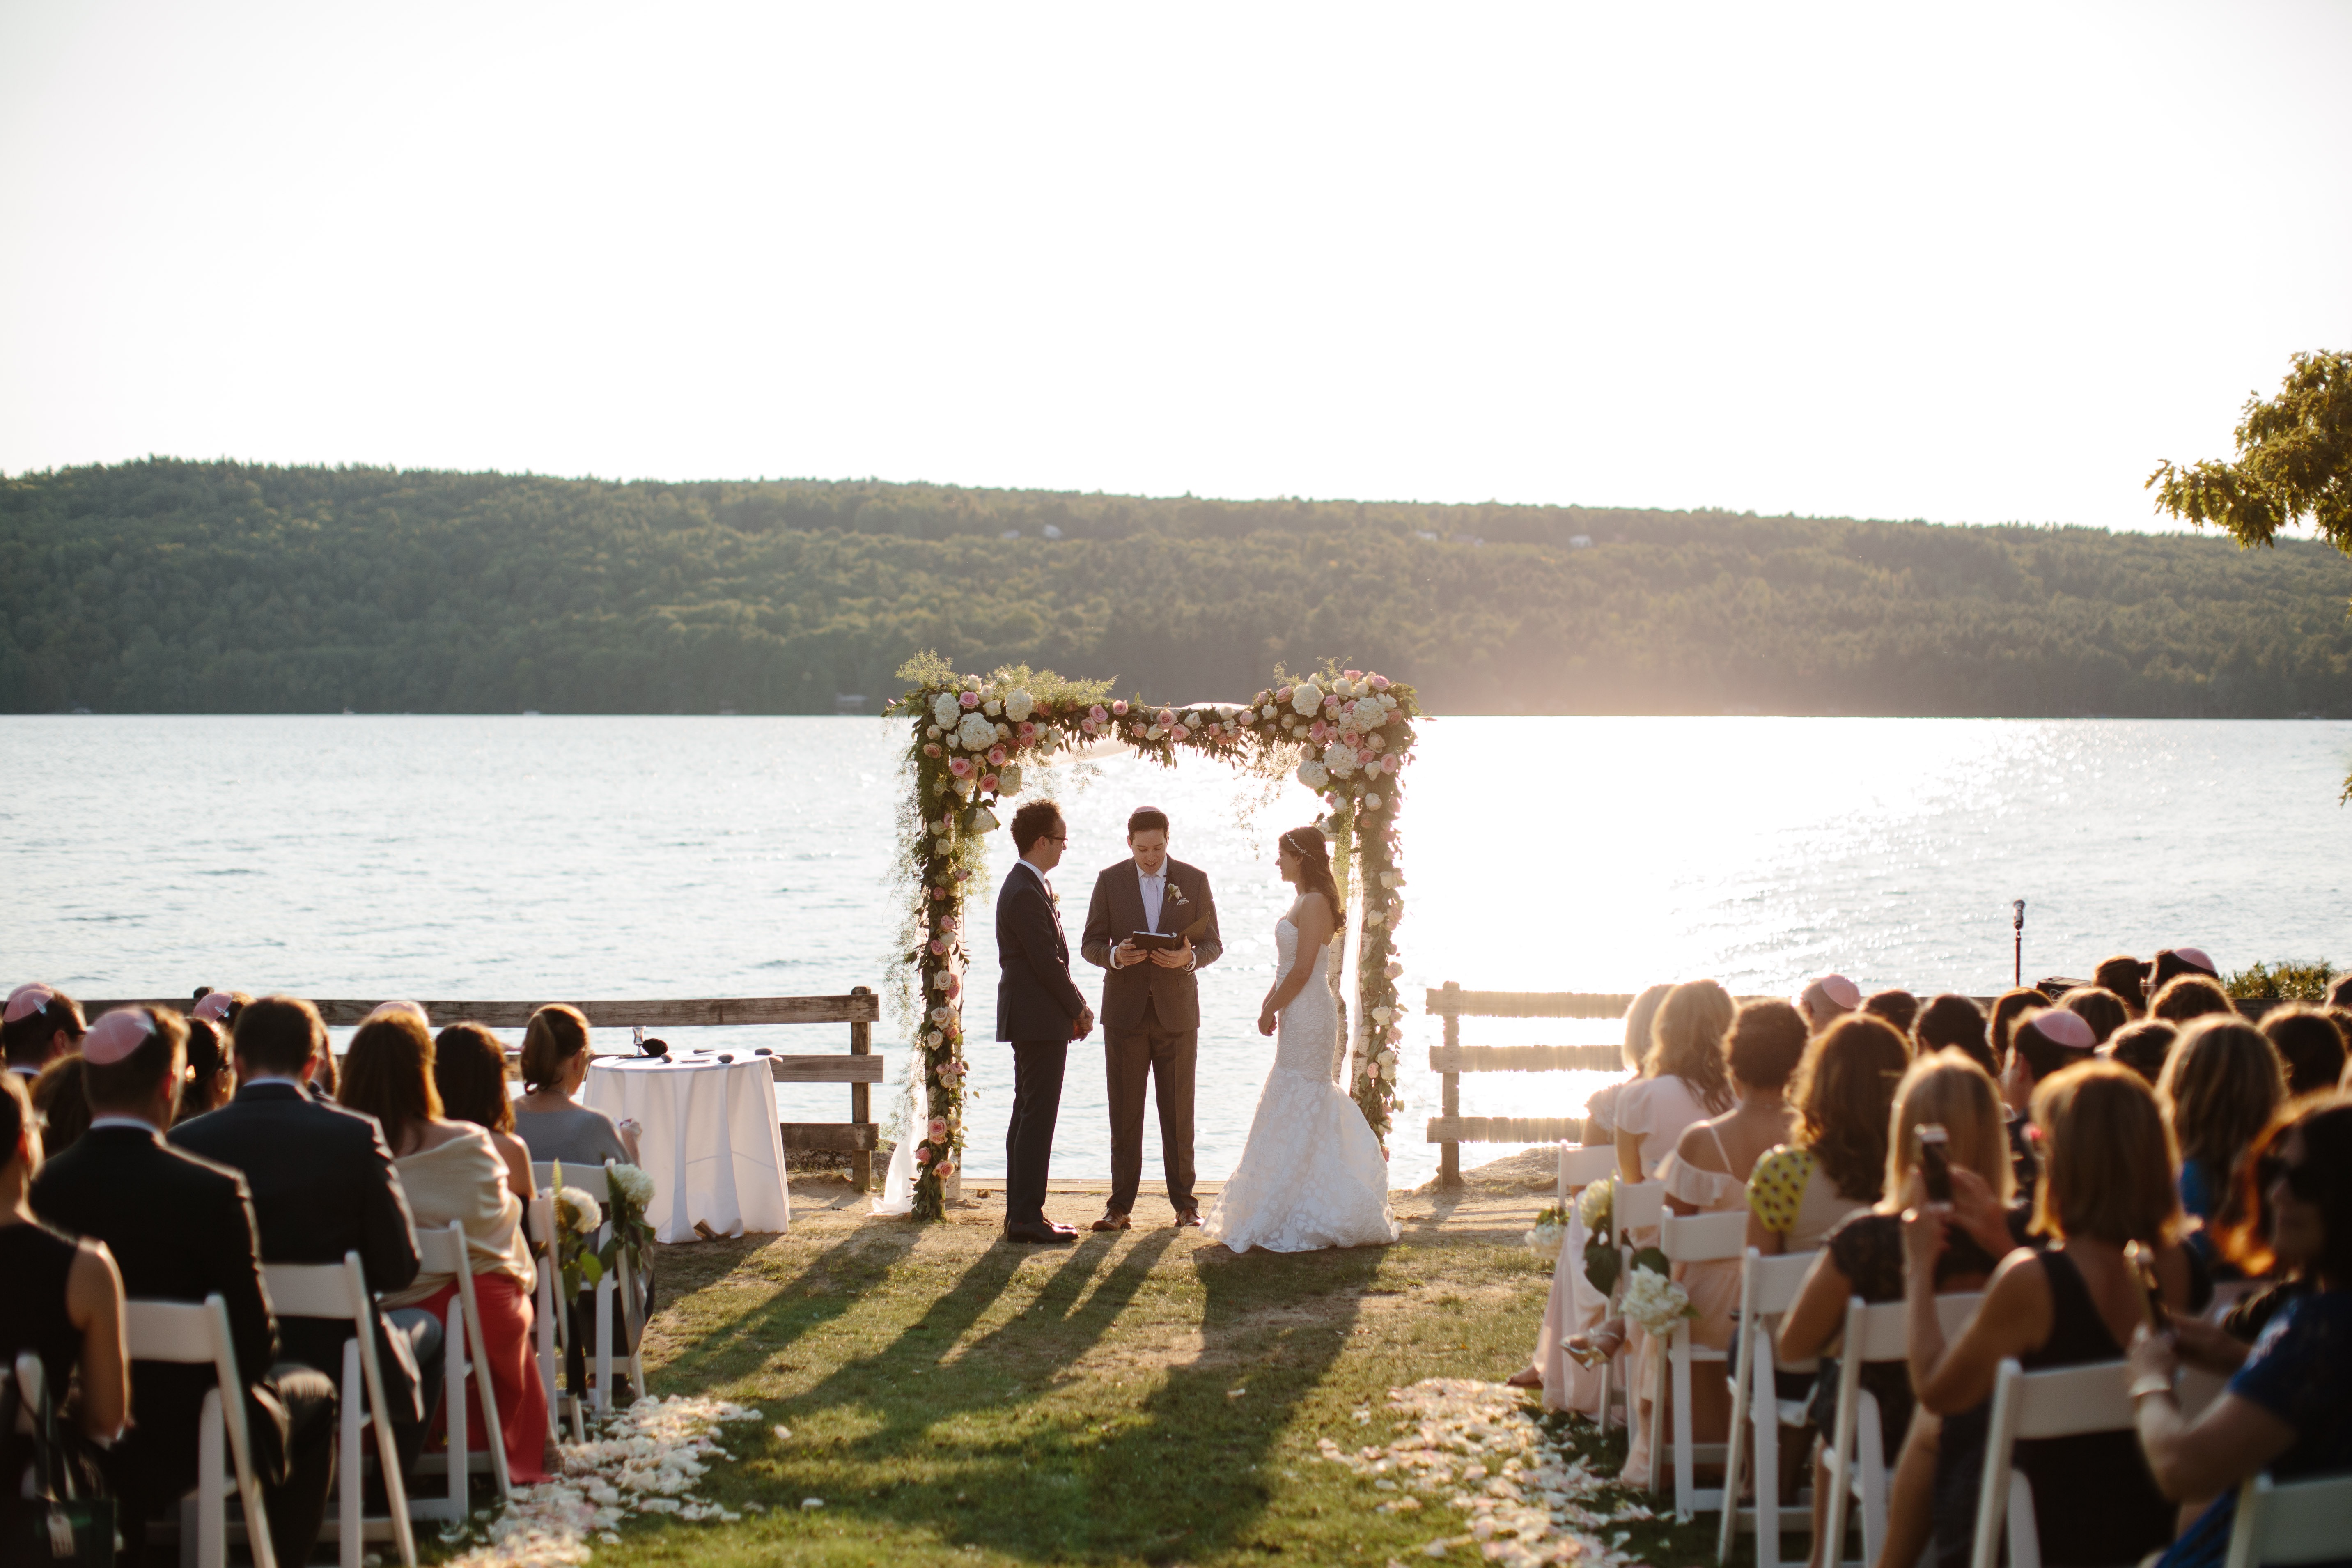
35, 1259
1312, 1174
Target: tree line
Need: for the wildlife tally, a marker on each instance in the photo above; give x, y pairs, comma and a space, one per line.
175, 586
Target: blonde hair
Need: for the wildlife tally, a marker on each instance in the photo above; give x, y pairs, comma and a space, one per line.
1948, 1089
556, 1033
1687, 1041
2219, 1088
2108, 1168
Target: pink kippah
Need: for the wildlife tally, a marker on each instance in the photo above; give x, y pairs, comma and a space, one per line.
116, 1035
1840, 990
213, 1005
27, 999
2061, 1027
2196, 956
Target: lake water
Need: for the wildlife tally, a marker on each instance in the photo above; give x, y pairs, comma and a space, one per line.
527, 856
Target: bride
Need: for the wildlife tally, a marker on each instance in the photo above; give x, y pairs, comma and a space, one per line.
1312, 1174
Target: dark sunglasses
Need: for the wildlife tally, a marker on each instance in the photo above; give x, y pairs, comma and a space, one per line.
2301, 1180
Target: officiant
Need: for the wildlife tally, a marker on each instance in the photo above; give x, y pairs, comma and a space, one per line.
1151, 924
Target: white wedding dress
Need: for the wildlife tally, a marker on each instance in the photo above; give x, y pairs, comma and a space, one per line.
1312, 1174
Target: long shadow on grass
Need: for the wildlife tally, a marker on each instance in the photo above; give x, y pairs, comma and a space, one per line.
829, 1286
1000, 1446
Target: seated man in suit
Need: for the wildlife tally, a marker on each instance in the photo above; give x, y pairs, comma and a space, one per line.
181, 1228
323, 1186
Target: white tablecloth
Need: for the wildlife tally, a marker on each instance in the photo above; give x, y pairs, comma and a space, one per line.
710, 1142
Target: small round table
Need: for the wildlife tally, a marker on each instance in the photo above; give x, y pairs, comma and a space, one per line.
710, 1139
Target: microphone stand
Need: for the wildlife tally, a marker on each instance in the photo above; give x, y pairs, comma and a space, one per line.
2017, 920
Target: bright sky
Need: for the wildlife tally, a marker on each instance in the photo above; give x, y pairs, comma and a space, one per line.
1972, 262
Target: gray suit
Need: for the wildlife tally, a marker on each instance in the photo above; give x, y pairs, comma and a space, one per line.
1151, 1021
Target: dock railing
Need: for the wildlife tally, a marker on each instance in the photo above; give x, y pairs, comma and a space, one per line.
860, 1069
1450, 1130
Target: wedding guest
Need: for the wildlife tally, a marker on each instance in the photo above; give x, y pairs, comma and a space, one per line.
1953, 1022
1896, 1006
1707, 1174
454, 1170
2007, 1008
1573, 1306
322, 1184
39, 1023
1682, 1080
2107, 1182
1827, 999
219, 1007
182, 1229
2125, 977
549, 1118
2309, 1043
2143, 1047
64, 1109
469, 1068
1845, 1088
2339, 992
2288, 1407
64, 1300
2041, 1044
1862, 1255
212, 1077
2220, 1086
2171, 962
2188, 997
2099, 1007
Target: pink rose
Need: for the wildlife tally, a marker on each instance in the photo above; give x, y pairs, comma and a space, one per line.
1211, 730
948, 924
1087, 725
1026, 731
1366, 755
939, 948
1281, 696
947, 1169
964, 874
1167, 718
959, 766
995, 756
987, 782
955, 985
970, 699
938, 1129
1380, 683
1331, 705
936, 892
930, 748
922, 1154
1388, 764
1353, 674
1120, 708
1097, 713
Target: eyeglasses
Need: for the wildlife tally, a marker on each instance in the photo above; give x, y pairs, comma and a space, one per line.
2301, 1180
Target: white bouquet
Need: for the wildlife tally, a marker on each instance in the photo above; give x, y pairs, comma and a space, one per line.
1551, 1233
1655, 1303
578, 1211
1593, 1203
630, 1184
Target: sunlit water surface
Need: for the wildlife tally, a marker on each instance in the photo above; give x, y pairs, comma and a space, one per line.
523, 856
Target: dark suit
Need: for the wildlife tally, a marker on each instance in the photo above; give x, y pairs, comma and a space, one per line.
182, 1229
1151, 1020
1037, 1007
323, 1186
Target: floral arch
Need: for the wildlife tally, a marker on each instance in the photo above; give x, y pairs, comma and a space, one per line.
972, 740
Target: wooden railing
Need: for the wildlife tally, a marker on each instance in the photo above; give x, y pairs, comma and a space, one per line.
860, 1009
1450, 1130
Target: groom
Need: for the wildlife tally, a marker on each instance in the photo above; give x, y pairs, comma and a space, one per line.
1039, 1010
1151, 1008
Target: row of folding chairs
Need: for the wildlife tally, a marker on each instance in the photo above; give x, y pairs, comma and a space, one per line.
2281, 1523
553, 1327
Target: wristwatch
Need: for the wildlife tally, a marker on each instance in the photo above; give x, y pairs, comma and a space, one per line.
2147, 1383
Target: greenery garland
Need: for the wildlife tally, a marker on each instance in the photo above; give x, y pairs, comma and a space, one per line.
1346, 733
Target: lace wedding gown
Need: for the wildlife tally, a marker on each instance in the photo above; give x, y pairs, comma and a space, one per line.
1312, 1174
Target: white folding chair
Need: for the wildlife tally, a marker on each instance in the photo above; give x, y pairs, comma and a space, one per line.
620, 1282
1768, 1289
339, 1292
1580, 1168
189, 1335
2284, 1523
464, 1352
547, 1315
1635, 1206
1693, 1238
2063, 1402
1856, 1461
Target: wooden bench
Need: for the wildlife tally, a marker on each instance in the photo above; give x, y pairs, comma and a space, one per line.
860, 1009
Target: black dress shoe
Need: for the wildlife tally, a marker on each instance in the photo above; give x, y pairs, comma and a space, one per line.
1038, 1230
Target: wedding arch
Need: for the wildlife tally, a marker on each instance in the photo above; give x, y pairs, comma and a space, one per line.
973, 741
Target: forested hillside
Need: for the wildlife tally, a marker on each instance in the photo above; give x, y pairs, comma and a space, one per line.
181, 586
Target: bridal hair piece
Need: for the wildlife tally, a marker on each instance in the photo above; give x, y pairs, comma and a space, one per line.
1314, 854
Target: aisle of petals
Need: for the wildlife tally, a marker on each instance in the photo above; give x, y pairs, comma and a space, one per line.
1477, 1447
646, 1460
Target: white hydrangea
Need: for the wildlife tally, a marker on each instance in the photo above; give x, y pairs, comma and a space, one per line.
1306, 699
1655, 1303
946, 709
1312, 774
1019, 705
985, 820
1008, 780
578, 1209
631, 1183
1191, 720
1339, 758
976, 733
1267, 712
992, 706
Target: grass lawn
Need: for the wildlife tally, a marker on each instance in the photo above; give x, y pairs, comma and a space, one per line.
1139, 1397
